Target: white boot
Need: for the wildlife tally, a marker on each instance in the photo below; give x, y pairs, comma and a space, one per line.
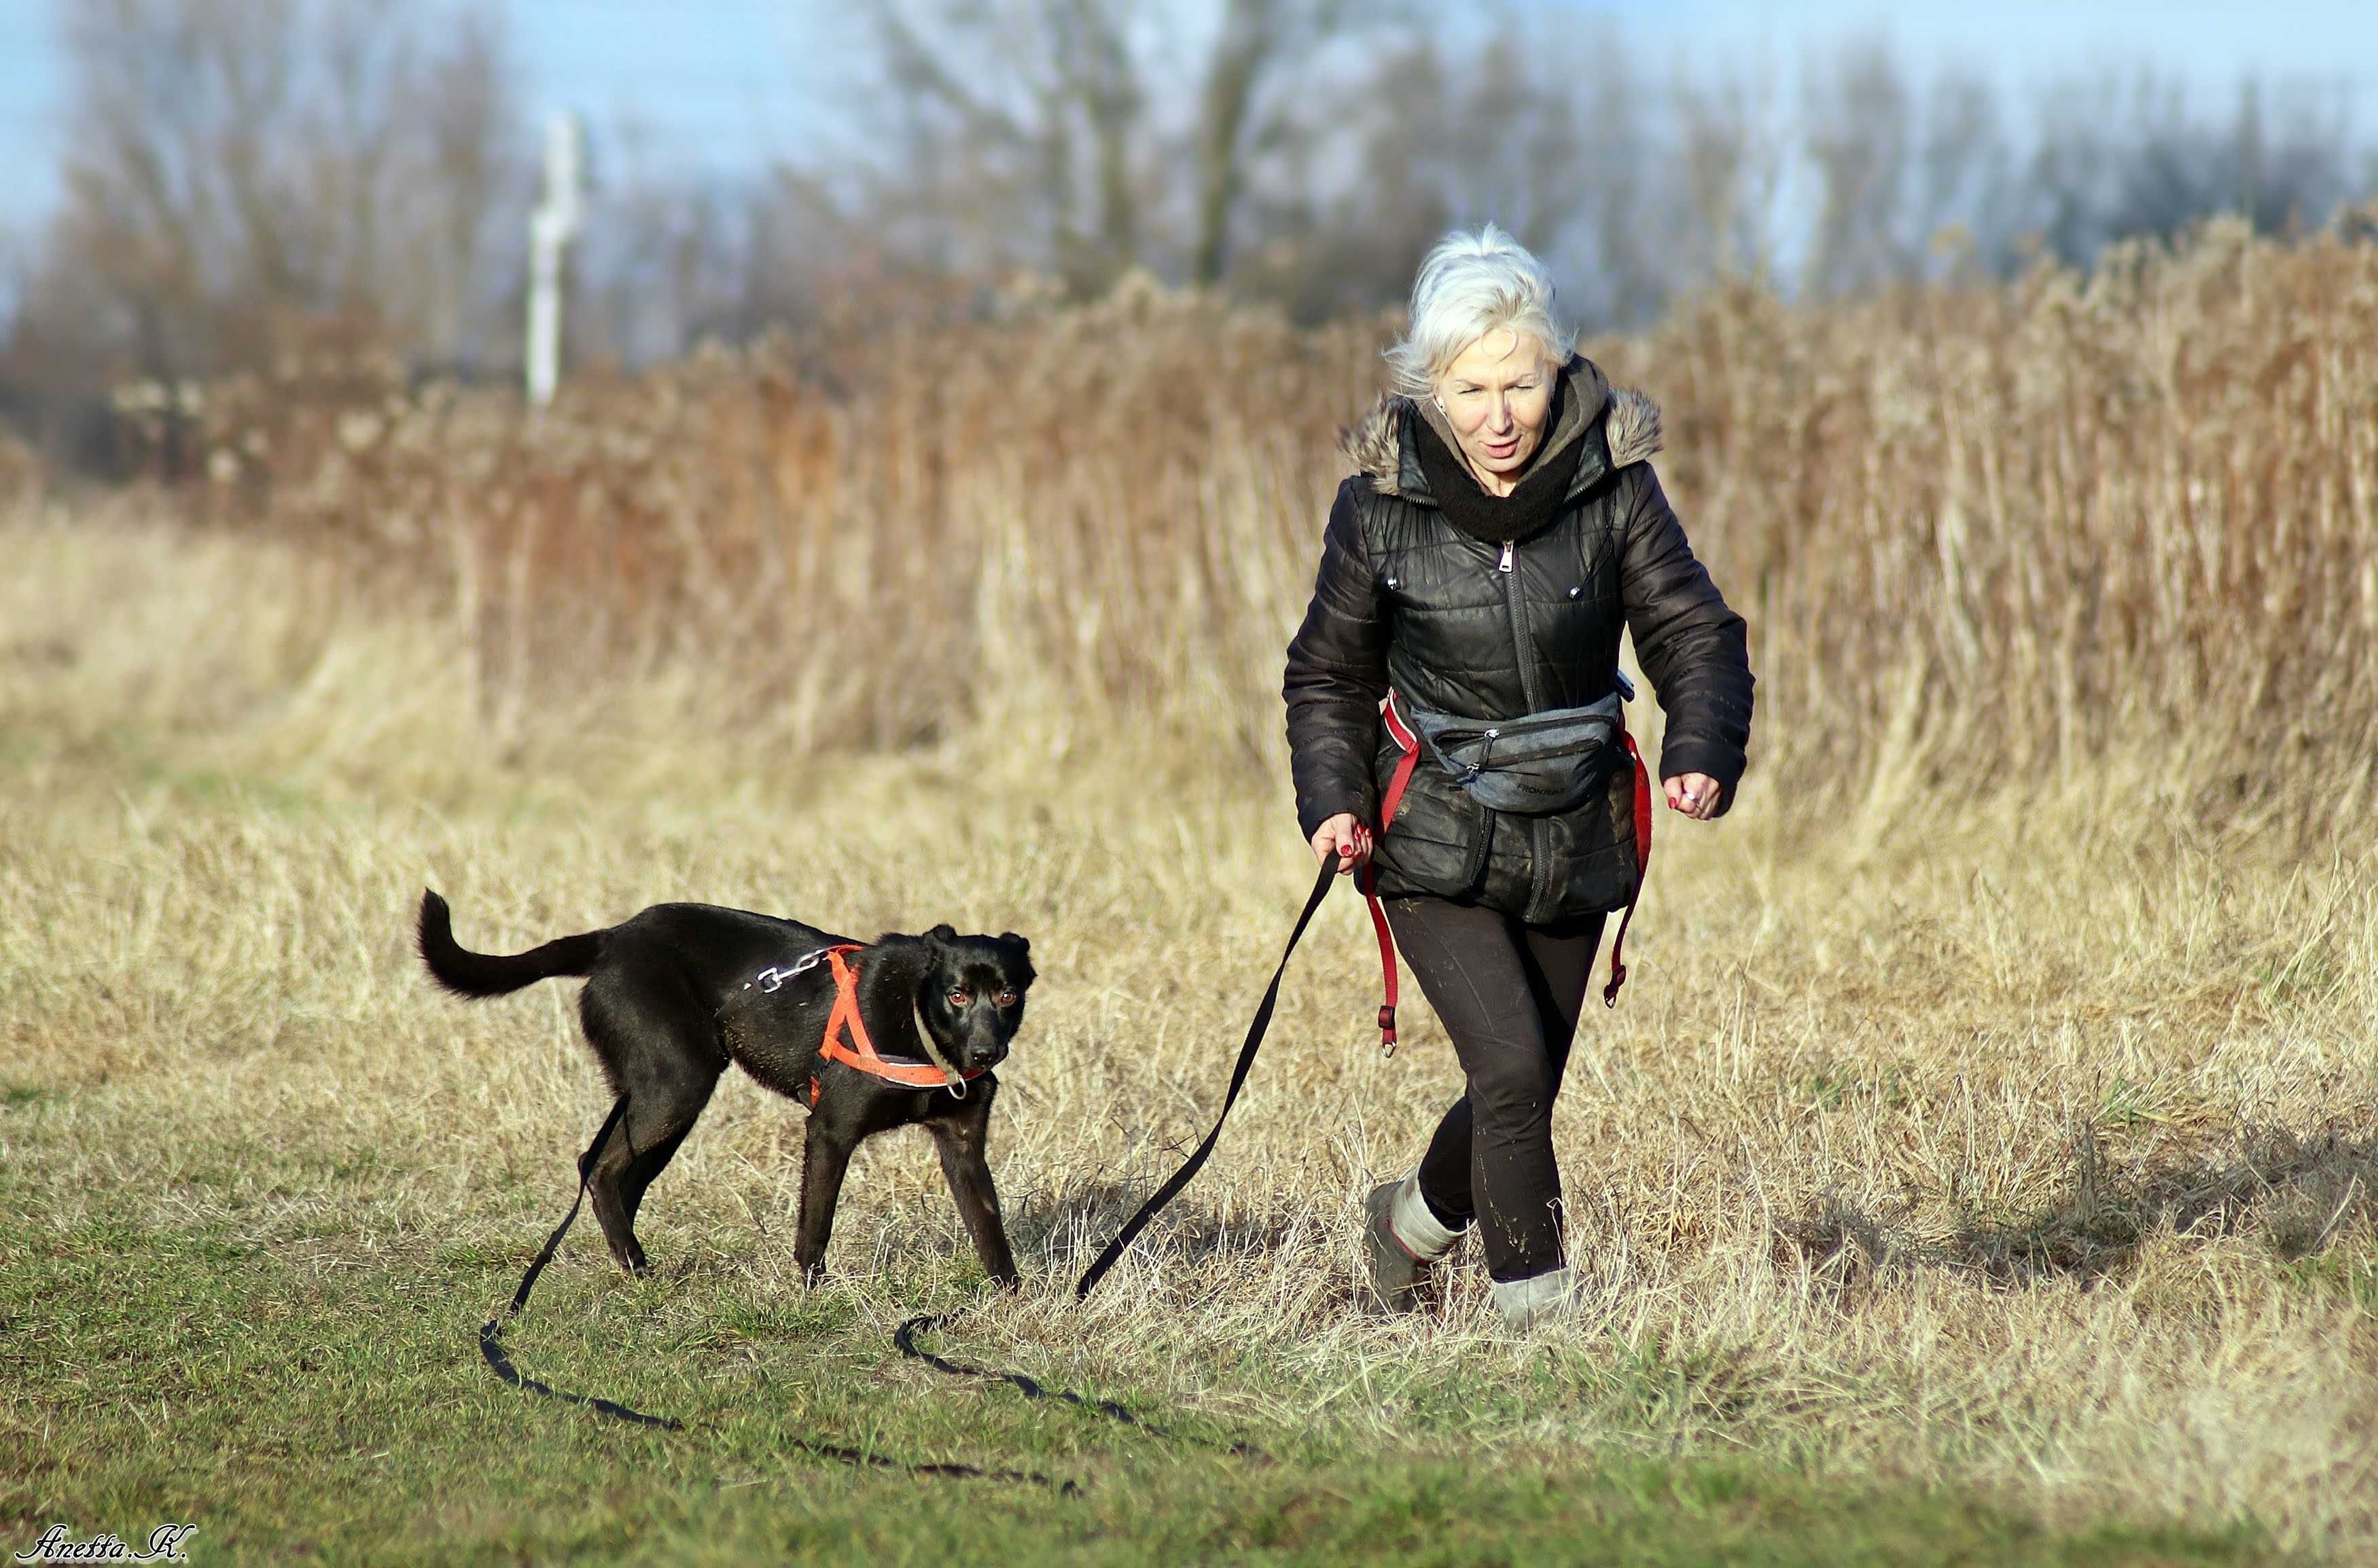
1400, 1240
1424, 1235
1526, 1302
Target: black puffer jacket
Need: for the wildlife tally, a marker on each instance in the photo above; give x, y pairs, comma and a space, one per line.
1489, 630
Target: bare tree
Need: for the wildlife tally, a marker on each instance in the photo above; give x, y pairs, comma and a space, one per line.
1729, 149
1965, 188
1542, 132
1053, 133
1861, 137
242, 173
2111, 162
1897, 169
472, 175
1020, 134
1245, 112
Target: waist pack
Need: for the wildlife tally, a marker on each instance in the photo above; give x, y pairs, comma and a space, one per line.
1554, 758
1533, 766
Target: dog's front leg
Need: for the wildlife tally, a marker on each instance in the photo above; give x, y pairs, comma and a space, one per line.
965, 1161
825, 1158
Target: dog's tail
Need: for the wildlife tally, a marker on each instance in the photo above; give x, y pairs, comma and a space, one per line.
468, 974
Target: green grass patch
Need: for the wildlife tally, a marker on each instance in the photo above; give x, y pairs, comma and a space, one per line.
307, 1409
2353, 1277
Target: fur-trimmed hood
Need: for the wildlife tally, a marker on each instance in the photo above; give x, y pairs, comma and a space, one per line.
1618, 425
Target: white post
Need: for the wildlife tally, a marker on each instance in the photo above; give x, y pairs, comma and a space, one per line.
550, 227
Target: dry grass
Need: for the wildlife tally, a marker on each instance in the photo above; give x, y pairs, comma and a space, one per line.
1994, 1105
2030, 1153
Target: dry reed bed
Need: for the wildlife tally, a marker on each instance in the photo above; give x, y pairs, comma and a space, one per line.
2029, 1150
1984, 535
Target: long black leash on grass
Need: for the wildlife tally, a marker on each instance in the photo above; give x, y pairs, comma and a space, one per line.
904, 1336
491, 1346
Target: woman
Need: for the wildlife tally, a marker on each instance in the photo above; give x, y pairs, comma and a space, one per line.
1503, 525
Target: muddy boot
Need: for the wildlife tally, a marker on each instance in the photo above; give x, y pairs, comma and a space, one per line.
1527, 1302
1400, 1238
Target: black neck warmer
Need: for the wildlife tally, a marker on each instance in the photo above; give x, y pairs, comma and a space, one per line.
1494, 519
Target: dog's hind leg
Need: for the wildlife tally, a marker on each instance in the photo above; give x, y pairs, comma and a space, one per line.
664, 1055
961, 1141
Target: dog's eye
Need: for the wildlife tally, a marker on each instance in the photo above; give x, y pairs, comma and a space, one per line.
961, 999
1007, 999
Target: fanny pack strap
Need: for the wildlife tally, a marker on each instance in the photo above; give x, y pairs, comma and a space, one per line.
1408, 743
1642, 873
1401, 733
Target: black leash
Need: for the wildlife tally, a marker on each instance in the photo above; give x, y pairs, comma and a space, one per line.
1032, 1388
1255, 1031
491, 1346
904, 1336
490, 1333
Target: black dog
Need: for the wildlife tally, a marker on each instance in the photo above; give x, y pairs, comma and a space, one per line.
681, 989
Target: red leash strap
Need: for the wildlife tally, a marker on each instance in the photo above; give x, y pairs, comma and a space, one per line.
1409, 743
1642, 873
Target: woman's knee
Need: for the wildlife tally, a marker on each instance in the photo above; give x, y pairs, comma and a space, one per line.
1511, 1090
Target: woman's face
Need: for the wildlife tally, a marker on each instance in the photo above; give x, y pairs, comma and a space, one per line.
1496, 395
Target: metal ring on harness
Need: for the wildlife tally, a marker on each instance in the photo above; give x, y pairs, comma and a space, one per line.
773, 978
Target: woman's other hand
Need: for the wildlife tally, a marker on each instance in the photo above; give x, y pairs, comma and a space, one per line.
1695, 794
1345, 837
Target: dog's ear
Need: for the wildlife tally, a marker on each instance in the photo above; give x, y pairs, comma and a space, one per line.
942, 934
1021, 944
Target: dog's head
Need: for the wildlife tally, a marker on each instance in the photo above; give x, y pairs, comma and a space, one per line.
971, 997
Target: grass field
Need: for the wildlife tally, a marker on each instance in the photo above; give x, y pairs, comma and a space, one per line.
1986, 1182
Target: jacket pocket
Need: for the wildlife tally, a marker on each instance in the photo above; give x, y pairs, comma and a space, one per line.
1437, 842
1593, 850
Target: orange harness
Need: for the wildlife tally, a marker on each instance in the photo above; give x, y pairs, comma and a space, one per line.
860, 1052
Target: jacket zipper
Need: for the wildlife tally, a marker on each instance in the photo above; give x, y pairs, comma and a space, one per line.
1524, 647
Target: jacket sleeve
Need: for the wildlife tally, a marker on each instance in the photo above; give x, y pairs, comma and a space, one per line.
1693, 647
1336, 676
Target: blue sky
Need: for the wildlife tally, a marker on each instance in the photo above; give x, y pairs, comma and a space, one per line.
2034, 40
723, 85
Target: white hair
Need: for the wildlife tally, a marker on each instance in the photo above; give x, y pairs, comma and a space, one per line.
1469, 286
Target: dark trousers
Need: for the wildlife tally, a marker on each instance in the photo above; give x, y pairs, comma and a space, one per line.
1509, 994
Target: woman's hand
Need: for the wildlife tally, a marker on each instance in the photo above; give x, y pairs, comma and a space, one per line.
1695, 794
1345, 837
